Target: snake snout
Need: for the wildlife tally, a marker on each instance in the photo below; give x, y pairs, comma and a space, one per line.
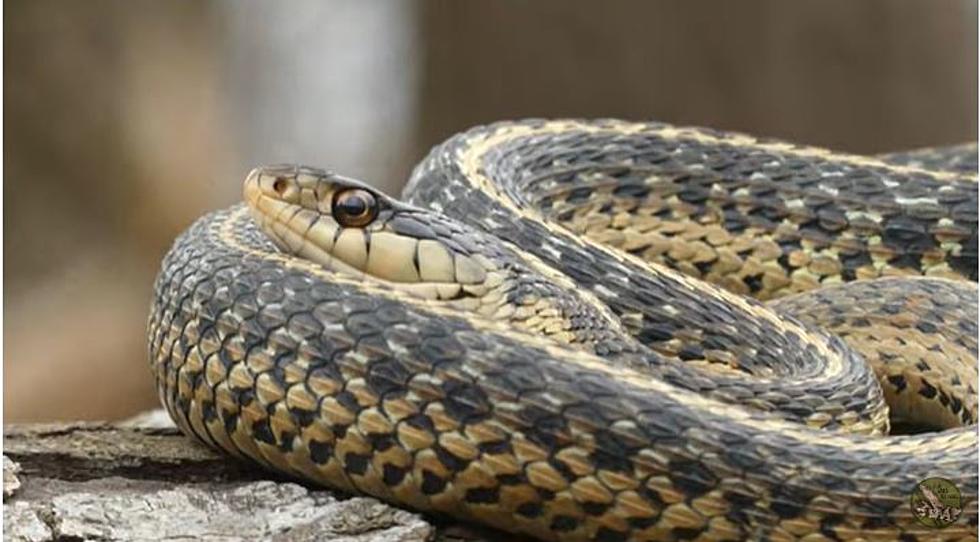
279, 182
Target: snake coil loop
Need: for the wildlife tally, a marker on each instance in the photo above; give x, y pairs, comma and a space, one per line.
562, 333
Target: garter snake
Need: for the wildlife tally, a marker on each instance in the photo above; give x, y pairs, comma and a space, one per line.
558, 333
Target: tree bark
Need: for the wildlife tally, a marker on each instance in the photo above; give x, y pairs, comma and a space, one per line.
144, 480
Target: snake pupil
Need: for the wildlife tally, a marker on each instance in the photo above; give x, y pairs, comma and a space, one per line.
354, 206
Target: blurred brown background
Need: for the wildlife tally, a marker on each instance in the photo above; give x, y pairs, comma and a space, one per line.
126, 120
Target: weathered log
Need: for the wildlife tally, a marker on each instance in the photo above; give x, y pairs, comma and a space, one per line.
144, 480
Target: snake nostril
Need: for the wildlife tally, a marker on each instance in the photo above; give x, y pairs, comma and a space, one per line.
280, 185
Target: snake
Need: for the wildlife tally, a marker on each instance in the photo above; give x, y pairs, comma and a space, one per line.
596, 330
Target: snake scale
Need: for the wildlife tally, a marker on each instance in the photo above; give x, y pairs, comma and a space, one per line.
596, 330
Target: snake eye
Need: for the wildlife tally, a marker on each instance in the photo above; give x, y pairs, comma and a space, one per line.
354, 208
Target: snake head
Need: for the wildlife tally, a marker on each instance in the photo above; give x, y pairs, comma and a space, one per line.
352, 228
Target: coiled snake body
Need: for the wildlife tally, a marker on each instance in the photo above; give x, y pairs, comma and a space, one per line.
557, 334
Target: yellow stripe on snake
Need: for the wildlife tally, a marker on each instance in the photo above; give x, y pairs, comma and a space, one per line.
560, 333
